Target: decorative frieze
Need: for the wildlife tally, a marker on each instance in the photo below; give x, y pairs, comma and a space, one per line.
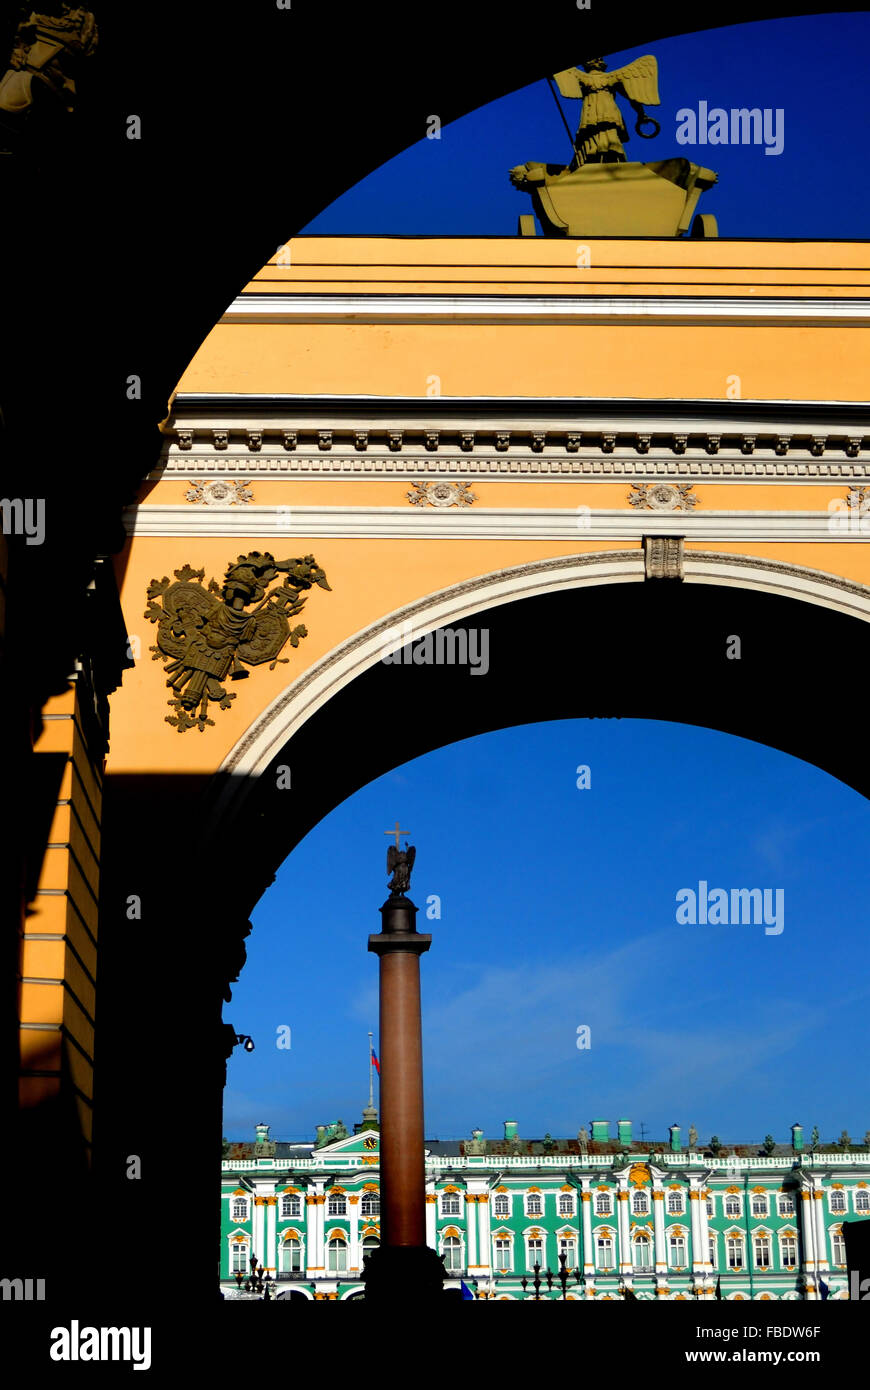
219, 492
517, 465
662, 497
441, 495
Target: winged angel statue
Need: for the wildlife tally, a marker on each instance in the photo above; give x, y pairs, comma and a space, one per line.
400, 862
602, 129
206, 634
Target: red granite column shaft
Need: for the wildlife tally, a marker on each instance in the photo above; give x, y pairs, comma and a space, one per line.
403, 1206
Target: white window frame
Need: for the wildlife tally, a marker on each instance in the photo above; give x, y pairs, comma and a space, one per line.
675, 1203
237, 1220
681, 1241
537, 1197
838, 1241
863, 1192
786, 1263
496, 1264
284, 1247
642, 1238
840, 1195
730, 1198
603, 1204
453, 1270
536, 1240
640, 1202
730, 1243
761, 1201
340, 1243
609, 1241
504, 1197
561, 1242
785, 1205
245, 1247
565, 1204
291, 1197
451, 1197
713, 1249
336, 1205
710, 1200
367, 1198
764, 1236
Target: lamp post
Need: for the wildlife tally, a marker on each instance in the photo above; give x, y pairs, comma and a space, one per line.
258, 1283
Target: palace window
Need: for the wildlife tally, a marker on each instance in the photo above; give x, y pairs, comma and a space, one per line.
732, 1204
240, 1208
369, 1244
336, 1256
605, 1252
568, 1248
640, 1204
761, 1246
451, 1250
675, 1203
337, 1206
291, 1256
602, 1204
862, 1199
239, 1262
535, 1253
502, 1258
788, 1250
759, 1204
370, 1204
450, 1204
534, 1204
714, 1256
785, 1204
291, 1205
734, 1246
838, 1200
642, 1253
502, 1205
678, 1252
838, 1249
711, 1209
566, 1204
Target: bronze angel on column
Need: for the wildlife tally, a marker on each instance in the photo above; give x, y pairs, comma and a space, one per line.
400, 862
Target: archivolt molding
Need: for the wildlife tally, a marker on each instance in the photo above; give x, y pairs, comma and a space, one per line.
301, 699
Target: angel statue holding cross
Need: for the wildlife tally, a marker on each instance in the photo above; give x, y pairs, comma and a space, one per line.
602, 129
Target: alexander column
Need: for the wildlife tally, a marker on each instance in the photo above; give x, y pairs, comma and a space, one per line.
403, 1266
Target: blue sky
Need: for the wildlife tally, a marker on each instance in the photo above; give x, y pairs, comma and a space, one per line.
813, 68
558, 909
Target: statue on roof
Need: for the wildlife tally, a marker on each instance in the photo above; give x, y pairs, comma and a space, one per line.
599, 193
602, 128
400, 862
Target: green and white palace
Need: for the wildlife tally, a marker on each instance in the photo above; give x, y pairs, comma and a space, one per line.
667, 1221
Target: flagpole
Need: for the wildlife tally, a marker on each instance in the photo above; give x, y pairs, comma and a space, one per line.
371, 1077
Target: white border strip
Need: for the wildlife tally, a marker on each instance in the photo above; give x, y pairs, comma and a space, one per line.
378, 308
488, 523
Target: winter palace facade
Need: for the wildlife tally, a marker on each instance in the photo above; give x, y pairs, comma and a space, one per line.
764, 1222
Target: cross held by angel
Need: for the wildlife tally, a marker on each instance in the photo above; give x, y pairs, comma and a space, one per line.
602, 129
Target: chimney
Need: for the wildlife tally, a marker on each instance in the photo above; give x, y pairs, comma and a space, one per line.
510, 1129
797, 1138
624, 1128
262, 1134
600, 1131
674, 1132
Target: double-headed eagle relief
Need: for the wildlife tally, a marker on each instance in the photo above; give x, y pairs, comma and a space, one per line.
210, 634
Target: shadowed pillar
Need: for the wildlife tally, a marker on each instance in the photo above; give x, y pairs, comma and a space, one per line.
403, 1266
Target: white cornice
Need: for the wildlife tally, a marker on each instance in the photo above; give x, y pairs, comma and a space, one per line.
488, 523
544, 309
